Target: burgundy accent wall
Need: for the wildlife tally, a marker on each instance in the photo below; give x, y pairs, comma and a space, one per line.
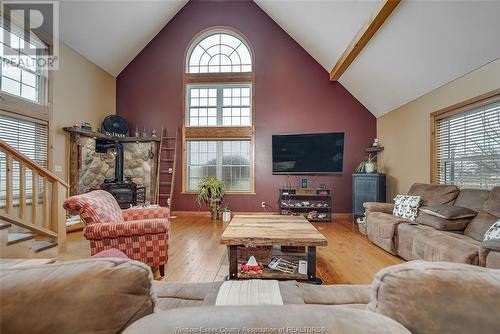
293, 94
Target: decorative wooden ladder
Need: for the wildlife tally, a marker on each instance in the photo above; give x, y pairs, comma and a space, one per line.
50, 221
166, 168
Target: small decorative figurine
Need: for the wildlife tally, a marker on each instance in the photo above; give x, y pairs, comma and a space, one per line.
137, 131
375, 142
153, 134
144, 134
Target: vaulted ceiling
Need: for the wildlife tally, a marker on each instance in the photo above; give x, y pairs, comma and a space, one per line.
422, 45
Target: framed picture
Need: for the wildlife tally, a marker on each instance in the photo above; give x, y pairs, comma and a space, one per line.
303, 183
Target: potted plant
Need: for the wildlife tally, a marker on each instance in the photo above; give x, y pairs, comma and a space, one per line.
211, 191
368, 166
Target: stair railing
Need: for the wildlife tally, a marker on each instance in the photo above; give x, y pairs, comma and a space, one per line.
48, 192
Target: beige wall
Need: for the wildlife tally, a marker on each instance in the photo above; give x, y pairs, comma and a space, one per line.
405, 132
82, 92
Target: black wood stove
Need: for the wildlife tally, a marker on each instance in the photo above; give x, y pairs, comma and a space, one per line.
125, 192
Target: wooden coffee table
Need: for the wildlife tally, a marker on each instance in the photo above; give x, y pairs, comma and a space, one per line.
273, 230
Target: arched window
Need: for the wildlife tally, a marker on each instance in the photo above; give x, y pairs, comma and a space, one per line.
219, 52
219, 115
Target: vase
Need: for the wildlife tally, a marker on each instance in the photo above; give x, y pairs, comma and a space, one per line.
226, 216
369, 167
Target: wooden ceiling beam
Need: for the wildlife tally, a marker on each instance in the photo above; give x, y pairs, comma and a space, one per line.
359, 42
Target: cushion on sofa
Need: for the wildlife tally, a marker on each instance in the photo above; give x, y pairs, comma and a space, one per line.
472, 198
492, 204
267, 319
406, 206
491, 258
381, 228
434, 297
434, 194
98, 295
492, 237
434, 245
448, 211
479, 225
442, 224
406, 235
336, 294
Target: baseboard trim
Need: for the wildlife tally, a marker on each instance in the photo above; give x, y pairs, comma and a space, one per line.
340, 215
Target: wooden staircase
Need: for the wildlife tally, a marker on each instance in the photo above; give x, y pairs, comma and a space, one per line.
30, 224
166, 169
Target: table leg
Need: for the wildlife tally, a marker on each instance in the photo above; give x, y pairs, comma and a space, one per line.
233, 261
311, 266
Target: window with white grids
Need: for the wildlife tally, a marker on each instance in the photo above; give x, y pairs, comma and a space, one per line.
219, 121
219, 105
219, 52
19, 74
29, 137
468, 148
228, 160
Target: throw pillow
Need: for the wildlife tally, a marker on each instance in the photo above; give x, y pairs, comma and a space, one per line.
448, 211
492, 237
406, 206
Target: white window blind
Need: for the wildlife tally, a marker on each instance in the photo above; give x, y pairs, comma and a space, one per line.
30, 137
468, 148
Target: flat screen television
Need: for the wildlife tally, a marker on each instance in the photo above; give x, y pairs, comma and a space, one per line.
308, 154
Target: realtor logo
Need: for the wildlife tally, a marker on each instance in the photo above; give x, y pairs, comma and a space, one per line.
30, 33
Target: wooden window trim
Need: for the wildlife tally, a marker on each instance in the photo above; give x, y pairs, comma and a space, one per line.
475, 102
42, 111
218, 133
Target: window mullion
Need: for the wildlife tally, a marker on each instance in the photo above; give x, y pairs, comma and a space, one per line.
219, 104
219, 160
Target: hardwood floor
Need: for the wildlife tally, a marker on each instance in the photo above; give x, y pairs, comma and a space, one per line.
195, 254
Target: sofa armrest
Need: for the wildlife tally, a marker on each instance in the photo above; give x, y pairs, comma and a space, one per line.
126, 229
86, 296
146, 213
378, 207
417, 294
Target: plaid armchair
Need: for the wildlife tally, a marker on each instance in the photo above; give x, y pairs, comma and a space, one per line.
142, 234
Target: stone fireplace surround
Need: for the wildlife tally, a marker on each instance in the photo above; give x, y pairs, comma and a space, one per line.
89, 169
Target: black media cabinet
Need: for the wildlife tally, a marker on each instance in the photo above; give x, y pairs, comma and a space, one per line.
304, 201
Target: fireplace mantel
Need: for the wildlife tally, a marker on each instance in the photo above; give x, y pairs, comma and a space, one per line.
102, 136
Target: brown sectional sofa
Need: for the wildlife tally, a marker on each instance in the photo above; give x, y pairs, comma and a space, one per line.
435, 238
104, 295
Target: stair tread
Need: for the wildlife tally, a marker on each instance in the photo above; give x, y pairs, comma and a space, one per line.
4, 225
168, 148
43, 245
14, 238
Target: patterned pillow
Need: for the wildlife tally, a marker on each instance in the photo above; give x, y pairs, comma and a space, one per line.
406, 206
492, 237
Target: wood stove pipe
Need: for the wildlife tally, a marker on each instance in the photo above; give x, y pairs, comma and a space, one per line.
103, 146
